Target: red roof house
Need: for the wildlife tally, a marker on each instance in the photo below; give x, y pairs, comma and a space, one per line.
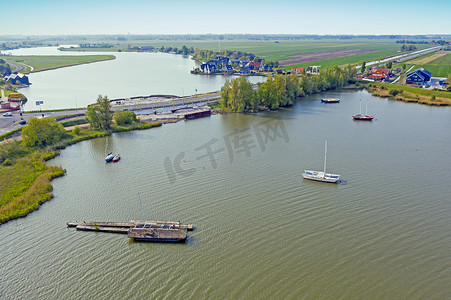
376, 73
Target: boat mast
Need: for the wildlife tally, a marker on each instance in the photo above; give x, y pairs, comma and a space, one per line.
360, 106
325, 155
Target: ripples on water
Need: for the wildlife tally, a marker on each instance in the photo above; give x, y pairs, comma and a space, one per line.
262, 232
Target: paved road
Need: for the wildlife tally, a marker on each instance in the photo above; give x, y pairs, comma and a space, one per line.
402, 57
8, 124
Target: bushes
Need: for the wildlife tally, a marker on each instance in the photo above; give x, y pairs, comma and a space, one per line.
77, 130
75, 122
123, 118
394, 92
42, 132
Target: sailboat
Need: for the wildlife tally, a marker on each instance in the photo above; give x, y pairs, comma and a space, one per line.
321, 176
361, 117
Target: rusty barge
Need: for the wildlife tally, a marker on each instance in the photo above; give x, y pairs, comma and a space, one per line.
147, 231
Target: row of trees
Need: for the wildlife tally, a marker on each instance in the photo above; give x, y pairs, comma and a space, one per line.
238, 94
408, 48
277, 91
184, 50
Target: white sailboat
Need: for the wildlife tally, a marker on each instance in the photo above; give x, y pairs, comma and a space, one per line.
321, 176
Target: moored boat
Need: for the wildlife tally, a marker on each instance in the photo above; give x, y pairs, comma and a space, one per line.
361, 117
109, 157
330, 100
116, 158
321, 176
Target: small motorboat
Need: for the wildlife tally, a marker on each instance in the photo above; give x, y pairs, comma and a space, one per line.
116, 158
330, 100
109, 157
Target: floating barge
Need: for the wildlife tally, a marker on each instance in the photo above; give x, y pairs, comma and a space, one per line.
151, 231
146, 232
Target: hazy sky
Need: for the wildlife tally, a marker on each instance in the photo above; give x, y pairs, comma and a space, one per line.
34, 17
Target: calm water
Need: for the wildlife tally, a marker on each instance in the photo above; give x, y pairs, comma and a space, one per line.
262, 231
130, 74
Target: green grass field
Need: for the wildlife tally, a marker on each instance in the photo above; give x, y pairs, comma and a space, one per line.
440, 67
41, 63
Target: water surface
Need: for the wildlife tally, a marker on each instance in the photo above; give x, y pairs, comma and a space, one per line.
262, 231
131, 74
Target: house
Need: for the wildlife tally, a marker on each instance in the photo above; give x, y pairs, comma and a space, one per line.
212, 62
379, 74
226, 69
235, 55
254, 65
17, 78
244, 63
245, 71
298, 71
208, 68
16, 97
418, 77
266, 68
222, 60
313, 69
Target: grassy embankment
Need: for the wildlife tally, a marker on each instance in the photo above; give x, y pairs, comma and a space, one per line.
410, 94
25, 178
42, 63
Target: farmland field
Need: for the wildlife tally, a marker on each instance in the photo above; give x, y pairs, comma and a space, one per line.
273, 49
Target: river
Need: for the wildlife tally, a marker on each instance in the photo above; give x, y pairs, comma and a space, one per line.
262, 231
131, 74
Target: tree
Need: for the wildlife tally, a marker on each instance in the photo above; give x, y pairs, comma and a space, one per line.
404, 66
238, 95
389, 65
184, 50
363, 68
99, 114
124, 118
42, 132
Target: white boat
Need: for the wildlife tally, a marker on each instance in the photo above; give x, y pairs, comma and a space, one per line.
109, 157
321, 176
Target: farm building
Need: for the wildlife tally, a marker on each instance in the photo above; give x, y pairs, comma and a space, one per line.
418, 77
438, 83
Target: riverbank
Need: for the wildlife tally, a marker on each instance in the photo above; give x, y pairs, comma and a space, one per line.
409, 94
25, 178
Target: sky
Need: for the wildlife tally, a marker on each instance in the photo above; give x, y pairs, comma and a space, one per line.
362, 17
